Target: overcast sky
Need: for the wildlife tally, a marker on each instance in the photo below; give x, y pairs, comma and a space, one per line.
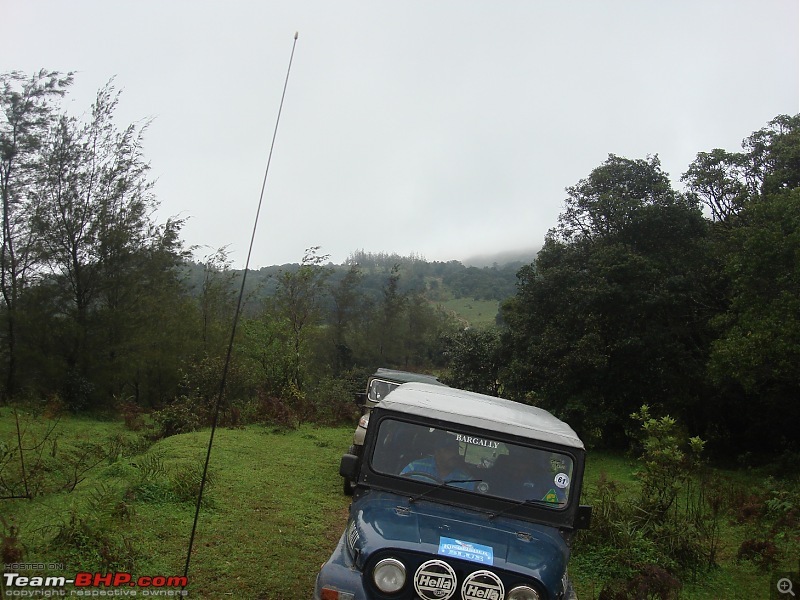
445, 128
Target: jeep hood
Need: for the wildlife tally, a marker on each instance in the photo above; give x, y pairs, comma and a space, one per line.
381, 520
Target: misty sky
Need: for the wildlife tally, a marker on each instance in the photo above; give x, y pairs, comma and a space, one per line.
445, 128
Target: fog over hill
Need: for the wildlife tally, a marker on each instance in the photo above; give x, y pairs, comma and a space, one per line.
501, 258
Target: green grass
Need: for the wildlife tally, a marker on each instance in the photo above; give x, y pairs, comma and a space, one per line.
730, 579
272, 513
478, 313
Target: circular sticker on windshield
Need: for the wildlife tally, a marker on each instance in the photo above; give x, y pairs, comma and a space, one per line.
562, 480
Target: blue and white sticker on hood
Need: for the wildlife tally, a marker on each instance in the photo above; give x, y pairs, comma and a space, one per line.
477, 553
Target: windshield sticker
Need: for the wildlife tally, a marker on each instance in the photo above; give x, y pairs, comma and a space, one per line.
476, 441
477, 553
562, 480
550, 496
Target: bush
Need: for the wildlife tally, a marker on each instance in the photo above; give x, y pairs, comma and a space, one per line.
332, 402
181, 416
669, 521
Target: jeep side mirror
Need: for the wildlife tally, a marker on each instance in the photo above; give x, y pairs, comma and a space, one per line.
360, 399
583, 517
348, 468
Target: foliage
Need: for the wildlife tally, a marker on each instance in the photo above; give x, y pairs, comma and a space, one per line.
607, 314
473, 360
89, 279
332, 401
35, 460
665, 530
135, 514
26, 114
298, 302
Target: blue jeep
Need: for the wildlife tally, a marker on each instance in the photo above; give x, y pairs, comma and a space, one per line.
458, 495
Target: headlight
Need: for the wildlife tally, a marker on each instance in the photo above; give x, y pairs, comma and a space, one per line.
389, 575
523, 592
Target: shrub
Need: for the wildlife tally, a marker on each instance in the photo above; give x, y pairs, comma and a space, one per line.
181, 416
10, 546
669, 520
185, 482
763, 553
332, 402
93, 543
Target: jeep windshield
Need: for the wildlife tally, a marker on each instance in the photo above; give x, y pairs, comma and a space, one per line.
379, 388
481, 465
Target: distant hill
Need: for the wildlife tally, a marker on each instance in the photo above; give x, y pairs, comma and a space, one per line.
473, 291
525, 256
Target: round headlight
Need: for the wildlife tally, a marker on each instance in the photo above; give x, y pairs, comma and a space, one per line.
389, 575
523, 592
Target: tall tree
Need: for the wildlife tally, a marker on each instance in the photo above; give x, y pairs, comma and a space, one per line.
719, 180
26, 114
298, 300
473, 360
94, 225
726, 182
217, 302
392, 312
609, 314
347, 302
606, 201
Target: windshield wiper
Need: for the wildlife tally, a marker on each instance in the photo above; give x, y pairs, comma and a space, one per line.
521, 503
441, 485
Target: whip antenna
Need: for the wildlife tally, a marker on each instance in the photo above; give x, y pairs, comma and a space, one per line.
235, 322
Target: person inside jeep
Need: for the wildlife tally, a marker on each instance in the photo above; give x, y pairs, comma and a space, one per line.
525, 474
443, 464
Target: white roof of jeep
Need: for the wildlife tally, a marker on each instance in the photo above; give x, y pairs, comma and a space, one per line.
479, 410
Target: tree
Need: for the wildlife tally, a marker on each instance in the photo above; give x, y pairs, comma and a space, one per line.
144, 325
347, 302
217, 302
27, 112
774, 156
95, 231
604, 203
718, 179
473, 360
726, 182
610, 313
298, 301
392, 310
754, 360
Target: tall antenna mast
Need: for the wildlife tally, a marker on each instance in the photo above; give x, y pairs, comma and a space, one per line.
236, 321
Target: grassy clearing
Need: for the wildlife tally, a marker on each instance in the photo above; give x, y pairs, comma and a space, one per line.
273, 512
477, 313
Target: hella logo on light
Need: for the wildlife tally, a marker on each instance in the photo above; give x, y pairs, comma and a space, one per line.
435, 580
482, 585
